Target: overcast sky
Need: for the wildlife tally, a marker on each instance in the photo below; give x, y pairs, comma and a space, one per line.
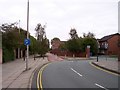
97, 16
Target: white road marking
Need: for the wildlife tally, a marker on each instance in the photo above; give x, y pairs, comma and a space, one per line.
76, 72
100, 86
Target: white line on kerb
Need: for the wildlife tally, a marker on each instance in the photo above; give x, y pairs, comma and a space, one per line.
100, 86
76, 72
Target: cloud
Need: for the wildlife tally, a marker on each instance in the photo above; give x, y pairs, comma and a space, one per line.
97, 16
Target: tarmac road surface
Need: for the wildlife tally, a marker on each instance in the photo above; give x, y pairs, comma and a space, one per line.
73, 74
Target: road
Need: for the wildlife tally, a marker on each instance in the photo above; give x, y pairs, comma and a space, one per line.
73, 74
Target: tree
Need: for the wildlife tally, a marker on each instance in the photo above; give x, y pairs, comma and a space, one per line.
10, 40
74, 45
89, 34
8, 27
33, 46
63, 46
43, 47
89, 39
13, 38
40, 32
55, 39
93, 44
73, 34
42, 41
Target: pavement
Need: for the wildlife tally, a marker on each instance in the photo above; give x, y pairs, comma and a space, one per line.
14, 74
112, 66
108, 63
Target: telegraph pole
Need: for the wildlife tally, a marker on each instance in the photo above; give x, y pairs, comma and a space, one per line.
19, 26
27, 35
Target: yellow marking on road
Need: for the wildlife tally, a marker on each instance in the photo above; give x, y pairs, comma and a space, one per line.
38, 81
39, 78
104, 70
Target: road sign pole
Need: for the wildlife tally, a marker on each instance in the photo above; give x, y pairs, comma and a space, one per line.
27, 35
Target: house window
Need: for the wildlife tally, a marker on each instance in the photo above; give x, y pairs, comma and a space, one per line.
106, 45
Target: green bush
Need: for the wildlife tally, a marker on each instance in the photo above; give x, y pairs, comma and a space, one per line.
8, 55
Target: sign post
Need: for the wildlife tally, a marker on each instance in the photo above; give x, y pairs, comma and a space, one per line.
27, 35
27, 43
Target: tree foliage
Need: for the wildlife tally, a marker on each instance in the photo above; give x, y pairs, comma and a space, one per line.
89, 39
73, 34
13, 38
8, 27
74, 45
40, 32
63, 46
42, 41
43, 46
80, 44
33, 45
55, 39
92, 43
89, 35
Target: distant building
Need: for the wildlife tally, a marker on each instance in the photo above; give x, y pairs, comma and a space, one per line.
109, 44
55, 43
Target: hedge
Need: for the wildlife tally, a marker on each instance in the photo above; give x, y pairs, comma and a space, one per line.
8, 55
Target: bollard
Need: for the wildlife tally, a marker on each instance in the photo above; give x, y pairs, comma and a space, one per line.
97, 57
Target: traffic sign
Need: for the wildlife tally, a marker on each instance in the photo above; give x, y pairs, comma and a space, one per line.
27, 42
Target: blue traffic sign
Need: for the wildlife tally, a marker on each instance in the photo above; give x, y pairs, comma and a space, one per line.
27, 42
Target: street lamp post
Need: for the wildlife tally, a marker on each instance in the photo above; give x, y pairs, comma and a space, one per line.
27, 34
19, 26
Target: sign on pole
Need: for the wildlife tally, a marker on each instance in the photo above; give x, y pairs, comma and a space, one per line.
27, 42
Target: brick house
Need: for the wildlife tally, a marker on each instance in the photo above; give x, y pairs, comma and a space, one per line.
109, 44
55, 43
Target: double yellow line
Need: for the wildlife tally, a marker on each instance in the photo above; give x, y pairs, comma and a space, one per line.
39, 77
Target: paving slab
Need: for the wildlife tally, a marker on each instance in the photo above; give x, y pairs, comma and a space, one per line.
14, 74
112, 66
